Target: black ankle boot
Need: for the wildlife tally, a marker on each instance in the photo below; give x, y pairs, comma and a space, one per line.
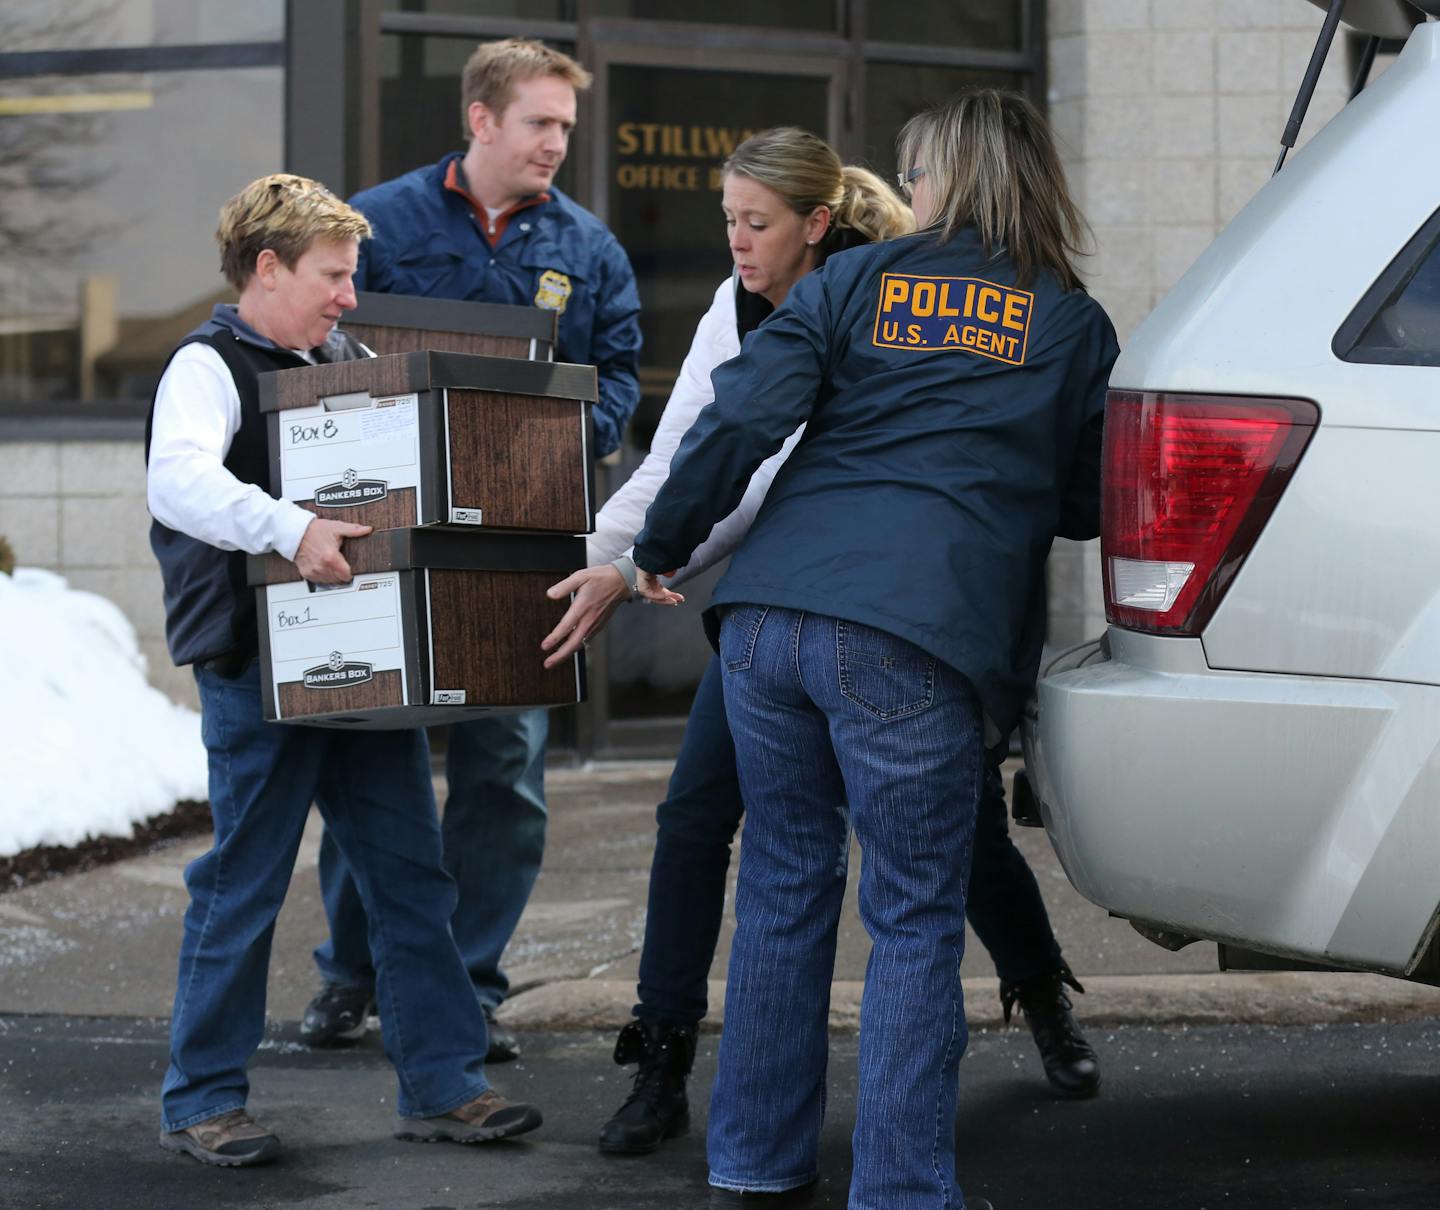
657, 1108
1070, 1062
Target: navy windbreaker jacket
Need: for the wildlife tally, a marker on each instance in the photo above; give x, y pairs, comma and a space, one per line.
554, 254
952, 430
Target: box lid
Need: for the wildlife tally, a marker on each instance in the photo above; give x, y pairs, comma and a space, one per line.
402, 373
431, 546
452, 315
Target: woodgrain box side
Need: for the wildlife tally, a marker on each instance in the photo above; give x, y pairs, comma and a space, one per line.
298, 703
486, 628
398, 510
426, 315
522, 460
386, 339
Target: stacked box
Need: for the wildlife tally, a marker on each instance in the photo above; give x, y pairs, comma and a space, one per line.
438, 625
435, 438
476, 473
400, 323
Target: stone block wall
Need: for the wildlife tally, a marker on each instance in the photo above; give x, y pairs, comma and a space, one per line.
77, 507
1169, 114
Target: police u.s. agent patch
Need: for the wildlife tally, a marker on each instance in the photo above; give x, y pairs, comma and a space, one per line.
967, 314
554, 291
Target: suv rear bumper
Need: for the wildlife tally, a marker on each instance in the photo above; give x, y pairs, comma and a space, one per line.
1295, 815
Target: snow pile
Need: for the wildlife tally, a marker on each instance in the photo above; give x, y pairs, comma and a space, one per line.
90, 749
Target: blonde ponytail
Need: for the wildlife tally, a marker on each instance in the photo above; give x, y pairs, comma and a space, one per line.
870, 206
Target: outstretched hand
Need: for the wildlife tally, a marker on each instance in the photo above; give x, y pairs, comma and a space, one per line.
597, 591
649, 587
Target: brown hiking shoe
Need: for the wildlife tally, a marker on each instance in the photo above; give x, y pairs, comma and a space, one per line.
489, 1116
231, 1140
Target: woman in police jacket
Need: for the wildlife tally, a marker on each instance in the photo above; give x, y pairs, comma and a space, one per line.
882, 621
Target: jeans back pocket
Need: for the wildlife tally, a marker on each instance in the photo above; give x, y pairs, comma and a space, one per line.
886, 675
738, 631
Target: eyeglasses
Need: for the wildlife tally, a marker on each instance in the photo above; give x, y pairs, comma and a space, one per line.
906, 180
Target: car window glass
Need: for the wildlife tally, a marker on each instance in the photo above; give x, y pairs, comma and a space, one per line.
1406, 328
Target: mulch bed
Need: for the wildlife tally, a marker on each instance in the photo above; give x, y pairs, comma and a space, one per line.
49, 861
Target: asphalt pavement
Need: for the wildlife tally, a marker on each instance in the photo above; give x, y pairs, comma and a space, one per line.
1197, 1118
1221, 1090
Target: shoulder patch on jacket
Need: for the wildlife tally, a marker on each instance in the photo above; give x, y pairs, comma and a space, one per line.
964, 314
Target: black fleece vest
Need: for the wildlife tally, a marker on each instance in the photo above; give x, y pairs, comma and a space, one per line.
209, 610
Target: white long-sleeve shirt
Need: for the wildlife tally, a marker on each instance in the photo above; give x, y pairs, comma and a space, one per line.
623, 516
189, 489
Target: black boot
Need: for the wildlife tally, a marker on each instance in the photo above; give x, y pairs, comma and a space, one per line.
657, 1108
1070, 1062
338, 1015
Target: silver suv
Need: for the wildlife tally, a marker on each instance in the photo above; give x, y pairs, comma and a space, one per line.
1252, 753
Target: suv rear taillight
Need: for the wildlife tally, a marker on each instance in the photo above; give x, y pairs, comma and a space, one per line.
1189, 482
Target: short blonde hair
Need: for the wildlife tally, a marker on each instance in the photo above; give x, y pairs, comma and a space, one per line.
806, 172
494, 69
286, 214
992, 165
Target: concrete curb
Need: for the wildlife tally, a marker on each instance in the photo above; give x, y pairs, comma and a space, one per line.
1218, 999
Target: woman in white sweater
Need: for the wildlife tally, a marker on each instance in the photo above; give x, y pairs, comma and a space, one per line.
788, 204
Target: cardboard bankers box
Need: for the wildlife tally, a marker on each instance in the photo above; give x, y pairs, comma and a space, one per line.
426, 438
438, 625
401, 323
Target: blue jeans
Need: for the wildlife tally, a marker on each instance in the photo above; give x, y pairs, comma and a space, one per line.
1004, 907
827, 713
696, 824
373, 788
494, 834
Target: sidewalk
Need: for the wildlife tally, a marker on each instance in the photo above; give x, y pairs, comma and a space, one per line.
104, 942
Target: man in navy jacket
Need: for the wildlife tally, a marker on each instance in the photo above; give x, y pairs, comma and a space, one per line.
489, 225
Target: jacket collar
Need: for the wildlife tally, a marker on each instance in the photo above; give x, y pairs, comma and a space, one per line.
454, 181
226, 317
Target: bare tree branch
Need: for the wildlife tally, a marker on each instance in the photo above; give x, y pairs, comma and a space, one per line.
43, 166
